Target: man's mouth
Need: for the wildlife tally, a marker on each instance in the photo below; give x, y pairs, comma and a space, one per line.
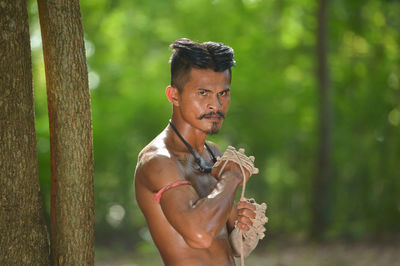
213, 116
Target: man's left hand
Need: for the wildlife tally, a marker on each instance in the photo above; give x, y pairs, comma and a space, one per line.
245, 211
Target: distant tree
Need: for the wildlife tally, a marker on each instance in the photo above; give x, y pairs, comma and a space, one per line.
72, 193
23, 231
323, 166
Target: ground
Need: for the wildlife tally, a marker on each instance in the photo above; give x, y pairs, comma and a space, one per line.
280, 253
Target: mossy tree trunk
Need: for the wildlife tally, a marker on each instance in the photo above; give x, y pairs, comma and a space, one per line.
23, 233
72, 194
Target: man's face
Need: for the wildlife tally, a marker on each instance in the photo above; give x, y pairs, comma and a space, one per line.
205, 99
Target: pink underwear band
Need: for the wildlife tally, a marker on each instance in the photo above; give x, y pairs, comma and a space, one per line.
157, 196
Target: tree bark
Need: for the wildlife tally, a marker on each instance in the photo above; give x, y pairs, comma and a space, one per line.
23, 239
323, 167
71, 147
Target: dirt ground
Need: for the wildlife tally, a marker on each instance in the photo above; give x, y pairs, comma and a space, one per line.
332, 254
279, 254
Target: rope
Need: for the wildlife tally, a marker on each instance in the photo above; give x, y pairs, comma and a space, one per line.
244, 162
242, 198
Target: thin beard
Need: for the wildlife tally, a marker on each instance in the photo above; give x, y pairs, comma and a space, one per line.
214, 129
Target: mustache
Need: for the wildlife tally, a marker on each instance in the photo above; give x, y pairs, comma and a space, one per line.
208, 115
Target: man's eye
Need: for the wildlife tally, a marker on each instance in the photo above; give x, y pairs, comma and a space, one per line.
223, 93
203, 93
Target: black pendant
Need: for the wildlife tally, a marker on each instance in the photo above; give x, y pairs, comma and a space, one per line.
203, 165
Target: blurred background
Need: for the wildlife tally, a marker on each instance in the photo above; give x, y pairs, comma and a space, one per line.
274, 115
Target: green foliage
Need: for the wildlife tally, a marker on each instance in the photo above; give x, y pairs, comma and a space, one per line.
273, 113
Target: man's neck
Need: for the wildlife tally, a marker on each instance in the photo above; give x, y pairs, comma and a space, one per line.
193, 136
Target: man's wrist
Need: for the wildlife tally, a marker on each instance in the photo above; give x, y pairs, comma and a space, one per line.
232, 176
233, 169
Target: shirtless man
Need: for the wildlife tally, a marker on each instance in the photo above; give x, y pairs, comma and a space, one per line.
192, 214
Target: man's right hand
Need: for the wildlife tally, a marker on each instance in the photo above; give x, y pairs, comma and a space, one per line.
235, 161
232, 169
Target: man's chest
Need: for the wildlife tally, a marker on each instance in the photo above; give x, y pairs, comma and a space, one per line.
202, 183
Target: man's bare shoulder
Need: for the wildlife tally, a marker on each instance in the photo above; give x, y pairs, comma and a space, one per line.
157, 166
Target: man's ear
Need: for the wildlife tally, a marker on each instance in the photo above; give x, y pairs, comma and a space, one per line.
173, 95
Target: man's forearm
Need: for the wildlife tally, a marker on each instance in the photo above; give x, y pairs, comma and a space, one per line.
215, 209
231, 220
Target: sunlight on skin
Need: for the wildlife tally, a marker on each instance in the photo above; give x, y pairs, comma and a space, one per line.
159, 142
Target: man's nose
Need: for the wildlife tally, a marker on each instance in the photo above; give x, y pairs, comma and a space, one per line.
214, 103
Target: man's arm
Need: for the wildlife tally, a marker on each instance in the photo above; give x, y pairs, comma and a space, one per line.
197, 220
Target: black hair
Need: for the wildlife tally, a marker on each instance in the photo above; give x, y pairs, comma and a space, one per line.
187, 54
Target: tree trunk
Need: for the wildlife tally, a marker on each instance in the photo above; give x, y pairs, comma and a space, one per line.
323, 167
71, 147
23, 233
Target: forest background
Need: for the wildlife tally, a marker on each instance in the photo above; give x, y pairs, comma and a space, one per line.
274, 112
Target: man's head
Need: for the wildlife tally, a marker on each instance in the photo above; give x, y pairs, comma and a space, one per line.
187, 54
200, 83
